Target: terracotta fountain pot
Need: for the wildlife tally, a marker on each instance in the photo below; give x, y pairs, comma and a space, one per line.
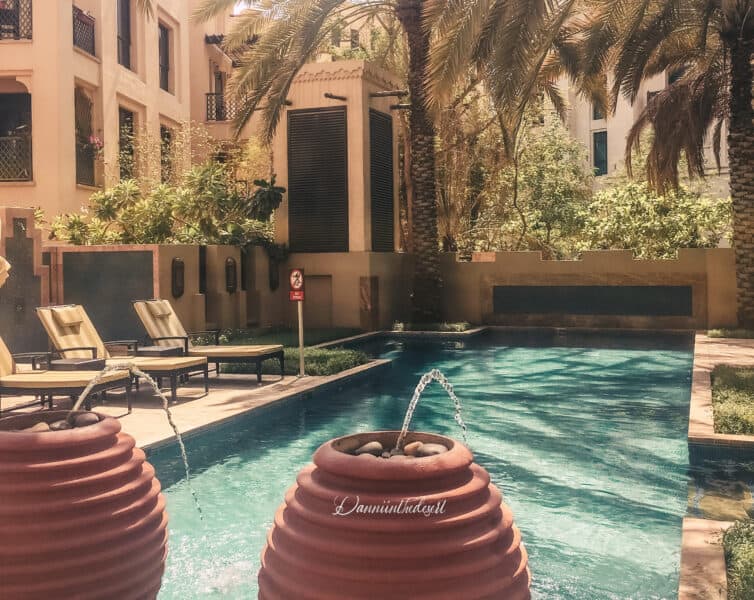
81, 513
465, 547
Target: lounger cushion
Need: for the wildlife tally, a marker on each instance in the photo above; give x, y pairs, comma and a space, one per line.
46, 380
167, 325
159, 308
213, 352
162, 364
67, 316
81, 335
6, 360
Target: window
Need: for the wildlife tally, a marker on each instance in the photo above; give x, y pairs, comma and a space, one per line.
15, 137
599, 152
127, 152
166, 158
335, 37
164, 58
124, 33
597, 114
88, 145
355, 39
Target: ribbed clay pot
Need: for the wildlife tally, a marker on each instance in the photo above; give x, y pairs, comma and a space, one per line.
81, 513
471, 550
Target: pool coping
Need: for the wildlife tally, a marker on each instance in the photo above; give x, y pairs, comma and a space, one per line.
708, 353
703, 574
316, 385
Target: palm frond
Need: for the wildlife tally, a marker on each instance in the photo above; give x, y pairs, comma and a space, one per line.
681, 117
268, 67
211, 8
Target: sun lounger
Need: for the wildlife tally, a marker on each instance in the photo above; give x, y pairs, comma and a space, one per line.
42, 382
165, 329
74, 336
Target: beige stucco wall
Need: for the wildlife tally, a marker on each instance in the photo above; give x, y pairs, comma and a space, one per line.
354, 80
710, 273
190, 307
334, 294
49, 67
224, 309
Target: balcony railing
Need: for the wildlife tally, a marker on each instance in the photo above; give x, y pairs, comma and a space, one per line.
15, 158
15, 19
83, 30
220, 108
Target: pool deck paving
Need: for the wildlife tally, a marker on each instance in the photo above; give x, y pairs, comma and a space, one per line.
703, 575
230, 396
709, 352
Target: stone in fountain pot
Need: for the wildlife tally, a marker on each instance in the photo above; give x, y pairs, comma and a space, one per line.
85, 419
38, 427
430, 449
412, 448
60, 425
373, 448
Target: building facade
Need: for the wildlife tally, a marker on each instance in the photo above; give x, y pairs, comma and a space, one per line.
605, 137
80, 79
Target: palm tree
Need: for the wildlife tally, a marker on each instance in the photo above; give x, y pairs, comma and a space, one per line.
709, 45
289, 33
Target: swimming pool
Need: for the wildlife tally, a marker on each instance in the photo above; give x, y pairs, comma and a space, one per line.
587, 443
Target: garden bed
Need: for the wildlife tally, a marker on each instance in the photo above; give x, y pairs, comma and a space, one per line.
738, 542
319, 361
441, 327
733, 399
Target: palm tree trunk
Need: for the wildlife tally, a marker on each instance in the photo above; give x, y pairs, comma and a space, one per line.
741, 160
426, 305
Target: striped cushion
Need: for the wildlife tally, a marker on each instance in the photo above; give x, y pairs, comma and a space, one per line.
159, 308
67, 316
6, 360
82, 334
160, 326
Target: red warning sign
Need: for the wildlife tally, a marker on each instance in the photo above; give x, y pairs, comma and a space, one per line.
296, 280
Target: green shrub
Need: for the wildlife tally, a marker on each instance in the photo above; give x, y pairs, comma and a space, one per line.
318, 361
731, 333
738, 542
733, 399
444, 327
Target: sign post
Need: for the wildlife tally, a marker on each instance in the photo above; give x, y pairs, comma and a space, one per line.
296, 294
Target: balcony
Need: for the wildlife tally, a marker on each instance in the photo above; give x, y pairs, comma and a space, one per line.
83, 31
15, 158
221, 108
15, 19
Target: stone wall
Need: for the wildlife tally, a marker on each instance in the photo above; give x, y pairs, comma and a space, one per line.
710, 275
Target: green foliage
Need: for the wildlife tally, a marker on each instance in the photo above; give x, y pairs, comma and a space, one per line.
555, 185
265, 199
318, 361
731, 333
208, 207
629, 215
738, 542
445, 327
733, 399
287, 336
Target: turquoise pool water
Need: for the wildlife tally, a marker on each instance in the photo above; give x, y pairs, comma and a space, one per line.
588, 445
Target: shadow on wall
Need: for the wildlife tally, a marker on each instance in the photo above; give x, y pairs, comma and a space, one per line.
27, 284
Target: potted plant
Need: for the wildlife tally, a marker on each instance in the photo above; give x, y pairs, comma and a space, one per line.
81, 514
379, 517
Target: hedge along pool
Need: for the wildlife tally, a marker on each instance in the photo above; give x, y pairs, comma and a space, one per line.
587, 443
